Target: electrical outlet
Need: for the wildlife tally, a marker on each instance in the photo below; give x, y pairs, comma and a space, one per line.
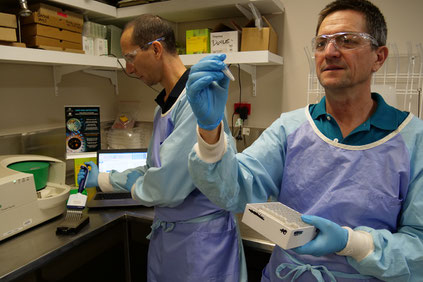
245, 131
237, 107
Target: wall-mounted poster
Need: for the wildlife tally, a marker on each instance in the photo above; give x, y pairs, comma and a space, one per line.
82, 129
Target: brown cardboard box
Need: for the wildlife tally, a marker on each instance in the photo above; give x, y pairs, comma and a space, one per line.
254, 39
15, 44
39, 41
53, 16
8, 20
7, 34
51, 32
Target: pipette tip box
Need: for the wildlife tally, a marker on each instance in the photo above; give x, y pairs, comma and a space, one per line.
278, 223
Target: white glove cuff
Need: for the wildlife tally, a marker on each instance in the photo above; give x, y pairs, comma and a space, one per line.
104, 183
211, 153
360, 244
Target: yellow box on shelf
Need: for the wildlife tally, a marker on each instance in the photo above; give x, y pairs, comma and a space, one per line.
198, 41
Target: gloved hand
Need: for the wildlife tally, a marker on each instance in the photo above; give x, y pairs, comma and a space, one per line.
92, 180
207, 90
330, 239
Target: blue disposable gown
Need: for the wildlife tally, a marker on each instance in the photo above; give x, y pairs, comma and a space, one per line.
192, 239
377, 188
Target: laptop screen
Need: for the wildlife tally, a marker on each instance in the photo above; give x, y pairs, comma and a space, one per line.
120, 159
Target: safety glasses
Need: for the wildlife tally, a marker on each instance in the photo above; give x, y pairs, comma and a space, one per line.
343, 41
130, 56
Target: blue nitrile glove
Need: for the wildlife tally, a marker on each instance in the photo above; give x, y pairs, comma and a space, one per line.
207, 90
330, 239
92, 180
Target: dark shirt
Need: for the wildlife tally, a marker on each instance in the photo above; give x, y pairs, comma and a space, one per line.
174, 94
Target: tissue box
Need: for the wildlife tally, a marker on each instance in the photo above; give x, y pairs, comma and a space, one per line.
198, 41
254, 39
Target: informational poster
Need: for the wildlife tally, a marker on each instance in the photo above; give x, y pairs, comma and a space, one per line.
82, 129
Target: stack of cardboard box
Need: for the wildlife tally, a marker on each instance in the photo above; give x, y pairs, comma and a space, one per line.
8, 25
52, 28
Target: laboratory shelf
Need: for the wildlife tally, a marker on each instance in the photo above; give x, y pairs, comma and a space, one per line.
172, 10
10, 54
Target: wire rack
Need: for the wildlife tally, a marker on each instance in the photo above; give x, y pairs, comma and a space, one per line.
399, 81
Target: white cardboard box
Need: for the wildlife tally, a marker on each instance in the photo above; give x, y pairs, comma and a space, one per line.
100, 47
88, 45
225, 41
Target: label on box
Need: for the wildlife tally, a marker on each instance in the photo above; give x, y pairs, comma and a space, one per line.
224, 42
82, 129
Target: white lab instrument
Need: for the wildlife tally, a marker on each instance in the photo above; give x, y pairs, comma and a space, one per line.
278, 223
21, 206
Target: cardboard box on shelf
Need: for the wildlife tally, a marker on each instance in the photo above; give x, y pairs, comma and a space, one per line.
224, 40
15, 44
51, 32
88, 45
254, 39
38, 41
8, 20
198, 41
113, 40
100, 47
53, 16
70, 50
7, 34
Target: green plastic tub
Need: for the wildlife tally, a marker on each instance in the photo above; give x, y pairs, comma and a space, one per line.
38, 168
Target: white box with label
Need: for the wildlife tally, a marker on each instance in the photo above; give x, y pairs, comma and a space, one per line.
224, 42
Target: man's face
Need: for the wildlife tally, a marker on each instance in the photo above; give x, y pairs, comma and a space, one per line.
343, 68
140, 62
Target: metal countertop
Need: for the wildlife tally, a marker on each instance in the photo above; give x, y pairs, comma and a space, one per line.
32, 248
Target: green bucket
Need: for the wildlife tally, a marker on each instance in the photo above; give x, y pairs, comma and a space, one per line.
38, 168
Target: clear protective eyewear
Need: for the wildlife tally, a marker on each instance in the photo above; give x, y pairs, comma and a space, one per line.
343, 41
130, 56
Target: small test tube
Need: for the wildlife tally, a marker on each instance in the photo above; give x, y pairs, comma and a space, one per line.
228, 73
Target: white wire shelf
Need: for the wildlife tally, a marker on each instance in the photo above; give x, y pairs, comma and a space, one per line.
399, 81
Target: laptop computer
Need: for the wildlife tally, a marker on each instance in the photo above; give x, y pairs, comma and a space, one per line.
120, 160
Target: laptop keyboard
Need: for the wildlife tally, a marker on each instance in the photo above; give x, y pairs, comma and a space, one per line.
112, 196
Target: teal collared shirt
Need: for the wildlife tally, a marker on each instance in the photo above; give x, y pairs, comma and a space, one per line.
383, 121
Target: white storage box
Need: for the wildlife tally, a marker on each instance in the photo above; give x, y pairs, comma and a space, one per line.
278, 223
88, 45
224, 42
100, 47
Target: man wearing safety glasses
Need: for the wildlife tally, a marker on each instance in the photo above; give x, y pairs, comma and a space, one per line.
192, 239
351, 164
